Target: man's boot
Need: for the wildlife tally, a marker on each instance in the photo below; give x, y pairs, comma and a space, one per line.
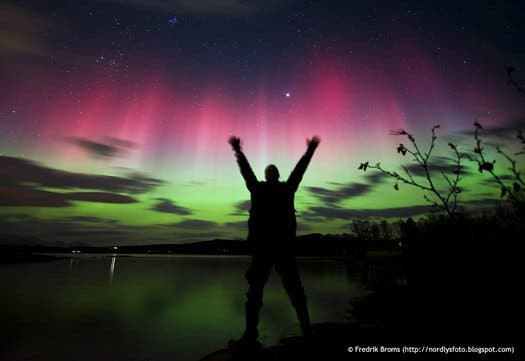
303, 316
252, 320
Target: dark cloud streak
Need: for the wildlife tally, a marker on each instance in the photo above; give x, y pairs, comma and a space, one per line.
27, 196
17, 171
507, 131
324, 213
112, 148
333, 196
193, 224
242, 208
165, 205
436, 166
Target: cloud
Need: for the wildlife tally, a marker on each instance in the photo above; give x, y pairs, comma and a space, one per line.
302, 227
100, 197
112, 148
94, 231
244, 205
506, 131
17, 171
193, 224
123, 143
25, 196
237, 226
21, 182
89, 219
342, 192
28, 196
324, 213
104, 233
167, 206
16, 217
376, 177
72, 229
504, 177
437, 165
242, 208
482, 203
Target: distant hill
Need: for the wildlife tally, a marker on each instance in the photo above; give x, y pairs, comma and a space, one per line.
14, 239
314, 244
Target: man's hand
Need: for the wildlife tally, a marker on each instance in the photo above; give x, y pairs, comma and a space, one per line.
313, 143
235, 142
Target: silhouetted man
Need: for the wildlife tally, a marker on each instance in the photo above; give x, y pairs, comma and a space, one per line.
272, 235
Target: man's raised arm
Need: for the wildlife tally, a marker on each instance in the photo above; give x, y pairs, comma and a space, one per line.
246, 170
297, 174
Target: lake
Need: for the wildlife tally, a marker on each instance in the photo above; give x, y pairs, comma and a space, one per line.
101, 307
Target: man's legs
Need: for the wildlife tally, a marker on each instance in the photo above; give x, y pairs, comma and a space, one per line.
287, 268
257, 276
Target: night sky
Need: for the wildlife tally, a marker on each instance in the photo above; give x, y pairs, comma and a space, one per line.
115, 115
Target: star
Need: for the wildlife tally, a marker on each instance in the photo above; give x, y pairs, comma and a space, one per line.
288, 94
173, 20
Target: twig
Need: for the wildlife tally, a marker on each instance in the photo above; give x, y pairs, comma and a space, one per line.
484, 165
512, 168
422, 159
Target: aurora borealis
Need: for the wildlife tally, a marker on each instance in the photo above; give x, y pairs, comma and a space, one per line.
115, 115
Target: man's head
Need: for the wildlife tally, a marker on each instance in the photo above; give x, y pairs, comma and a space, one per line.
271, 173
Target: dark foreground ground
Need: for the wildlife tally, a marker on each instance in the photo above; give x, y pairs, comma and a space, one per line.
350, 341
450, 296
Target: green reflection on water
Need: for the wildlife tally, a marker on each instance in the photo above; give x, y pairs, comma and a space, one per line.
152, 307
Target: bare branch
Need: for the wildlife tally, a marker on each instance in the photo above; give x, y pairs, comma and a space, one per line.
512, 168
513, 192
444, 202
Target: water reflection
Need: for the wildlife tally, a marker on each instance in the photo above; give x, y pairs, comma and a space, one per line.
73, 264
112, 268
161, 307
